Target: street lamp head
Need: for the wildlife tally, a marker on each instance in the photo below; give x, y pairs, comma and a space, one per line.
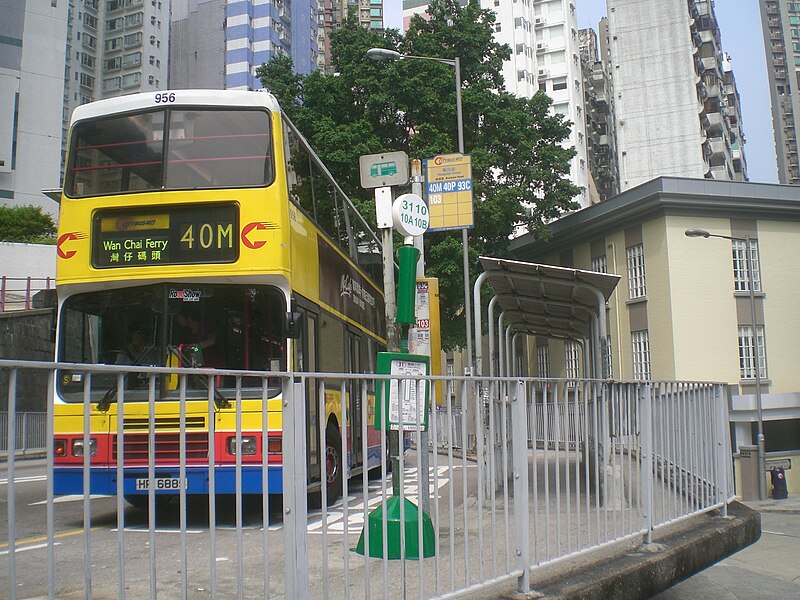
697, 233
383, 54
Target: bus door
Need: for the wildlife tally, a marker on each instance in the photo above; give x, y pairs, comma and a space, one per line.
353, 365
305, 360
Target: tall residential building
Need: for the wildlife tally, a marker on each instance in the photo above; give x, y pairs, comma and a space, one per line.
115, 47
675, 104
332, 14
598, 104
780, 22
219, 44
543, 37
32, 38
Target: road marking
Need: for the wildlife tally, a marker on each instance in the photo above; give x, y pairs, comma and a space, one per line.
71, 498
144, 529
43, 538
355, 521
25, 479
25, 549
775, 533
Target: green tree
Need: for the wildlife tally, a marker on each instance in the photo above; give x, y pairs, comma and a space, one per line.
367, 107
26, 224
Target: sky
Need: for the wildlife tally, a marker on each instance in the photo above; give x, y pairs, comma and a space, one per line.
740, 29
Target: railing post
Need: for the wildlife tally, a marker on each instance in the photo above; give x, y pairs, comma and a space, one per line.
24, 433
3, 293
295, 509
28, 292
519, 450
645, 400
721, 446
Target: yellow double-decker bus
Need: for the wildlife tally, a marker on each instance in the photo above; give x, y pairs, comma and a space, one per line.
198, 228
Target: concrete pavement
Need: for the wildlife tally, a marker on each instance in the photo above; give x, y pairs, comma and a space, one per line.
767, 570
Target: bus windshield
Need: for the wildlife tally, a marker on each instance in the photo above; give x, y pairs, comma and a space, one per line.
170, 149
220, 326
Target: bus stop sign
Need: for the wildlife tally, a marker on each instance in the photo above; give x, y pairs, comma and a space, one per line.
383, 170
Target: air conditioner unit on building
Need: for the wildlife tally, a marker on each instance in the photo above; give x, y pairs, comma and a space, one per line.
540, 21
541, 46
543, 73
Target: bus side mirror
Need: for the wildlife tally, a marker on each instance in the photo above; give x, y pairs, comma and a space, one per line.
293, 325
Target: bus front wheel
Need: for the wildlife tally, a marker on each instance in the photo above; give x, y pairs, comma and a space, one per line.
334, 466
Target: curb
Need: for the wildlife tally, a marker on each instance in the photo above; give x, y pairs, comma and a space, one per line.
701, 541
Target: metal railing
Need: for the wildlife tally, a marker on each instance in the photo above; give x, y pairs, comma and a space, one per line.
31, 432
558, 469
16, 293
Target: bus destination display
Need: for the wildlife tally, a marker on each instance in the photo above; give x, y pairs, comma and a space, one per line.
165, 236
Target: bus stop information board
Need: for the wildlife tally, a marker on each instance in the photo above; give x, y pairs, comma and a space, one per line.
402, 402
448, 190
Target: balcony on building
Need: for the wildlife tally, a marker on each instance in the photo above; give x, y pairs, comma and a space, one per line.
708, 39
713, 123
705, 64
714, 150
718, 172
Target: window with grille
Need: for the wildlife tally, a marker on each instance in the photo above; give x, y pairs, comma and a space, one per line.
600, 264
543, 360
572, 358
640, 350
636, 278
747, 353
740, 278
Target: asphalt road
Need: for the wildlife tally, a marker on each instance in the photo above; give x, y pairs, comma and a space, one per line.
767, 570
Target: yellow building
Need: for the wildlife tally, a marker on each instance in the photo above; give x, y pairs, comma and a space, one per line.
682, 310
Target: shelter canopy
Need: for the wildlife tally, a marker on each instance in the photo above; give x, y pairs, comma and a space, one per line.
549, 301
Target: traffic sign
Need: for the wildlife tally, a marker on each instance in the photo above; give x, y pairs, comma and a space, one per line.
383, 170
410, 215
448, 189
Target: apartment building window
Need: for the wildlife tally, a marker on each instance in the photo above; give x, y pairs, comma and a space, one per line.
112, 64
90, 20
741, 281
131, 79
636, 277
114, 24
640, 350
113, 44
543, 360
89, 40
87, 60
111, 84
747, 357
572, 360
87, 81
600, 264
132, 60
134, 19
133, 39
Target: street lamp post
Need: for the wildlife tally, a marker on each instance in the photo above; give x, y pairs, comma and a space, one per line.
762, 464
391, 55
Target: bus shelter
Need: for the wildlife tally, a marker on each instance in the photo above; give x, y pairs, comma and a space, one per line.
548, 301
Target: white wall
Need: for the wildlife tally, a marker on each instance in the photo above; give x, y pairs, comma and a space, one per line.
27, 260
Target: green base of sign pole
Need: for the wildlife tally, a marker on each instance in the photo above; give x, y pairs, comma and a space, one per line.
410, 515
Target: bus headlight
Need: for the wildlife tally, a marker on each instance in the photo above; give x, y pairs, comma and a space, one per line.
249, 445
77, 447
